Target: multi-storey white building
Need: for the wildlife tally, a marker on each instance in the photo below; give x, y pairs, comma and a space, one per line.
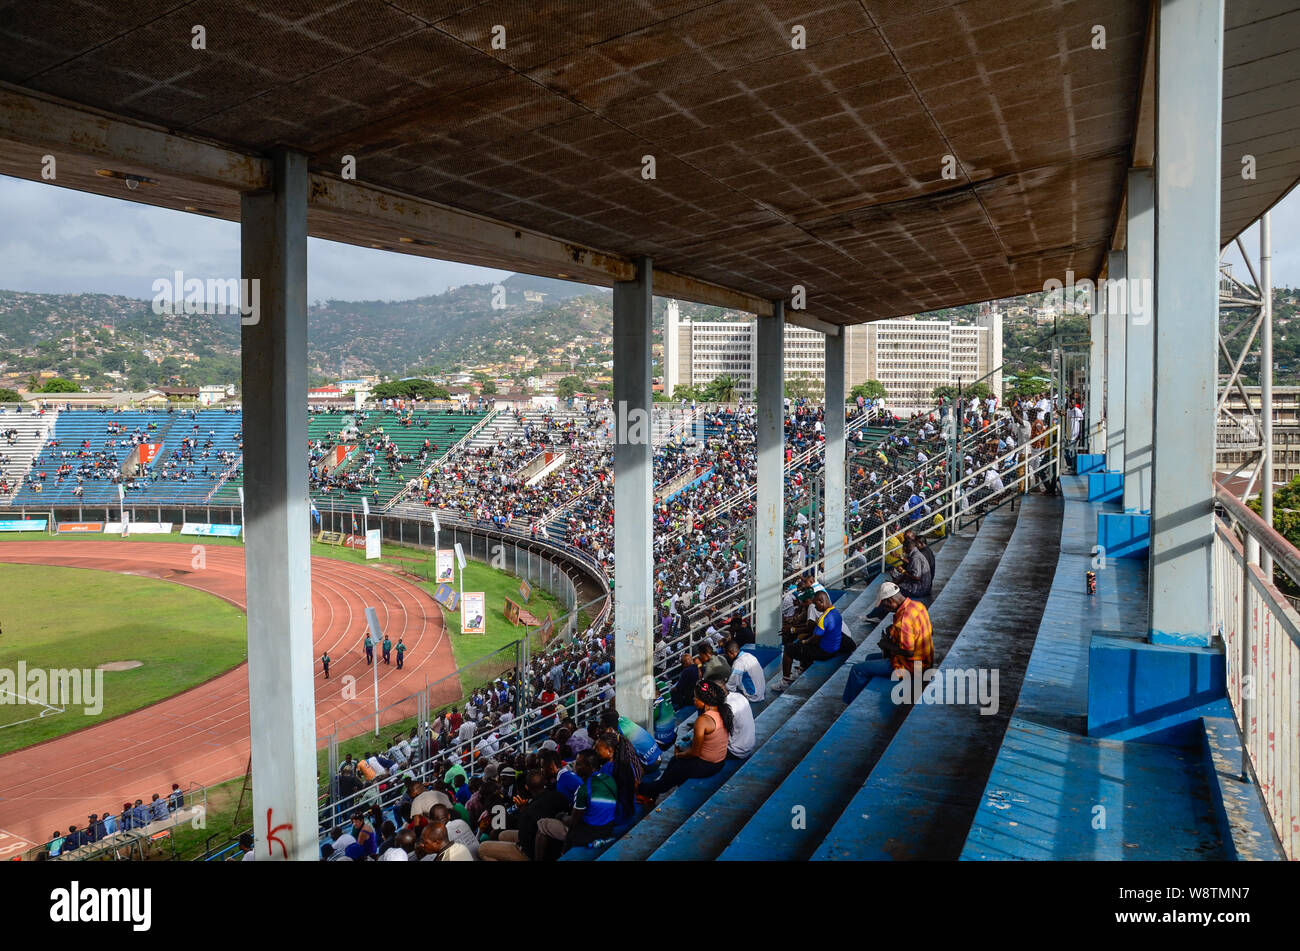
910, 357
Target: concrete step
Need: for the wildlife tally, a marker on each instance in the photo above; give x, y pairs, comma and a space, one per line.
712, 827
921, 797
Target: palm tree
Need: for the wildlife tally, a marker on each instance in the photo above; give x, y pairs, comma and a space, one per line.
722, 389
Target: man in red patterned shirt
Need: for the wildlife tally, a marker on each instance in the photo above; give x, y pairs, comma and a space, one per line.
908, 645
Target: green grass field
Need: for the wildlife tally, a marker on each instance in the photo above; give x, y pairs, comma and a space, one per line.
103, 609
79, 618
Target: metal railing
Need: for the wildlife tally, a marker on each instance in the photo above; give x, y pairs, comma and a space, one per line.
1261, 635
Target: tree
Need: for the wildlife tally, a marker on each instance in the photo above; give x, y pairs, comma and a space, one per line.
488, 387
870, 390
404, 389
568, 386
721, 389
9, 396
59, 385
1027, 384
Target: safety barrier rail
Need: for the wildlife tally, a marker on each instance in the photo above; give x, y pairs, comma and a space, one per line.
1261, 635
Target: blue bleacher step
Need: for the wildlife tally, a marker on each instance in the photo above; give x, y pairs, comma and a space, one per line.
1244, 825
712, 826
680, 804
1061, 796
796, 817
921, 796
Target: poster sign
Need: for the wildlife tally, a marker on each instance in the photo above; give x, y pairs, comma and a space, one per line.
546, 628
512, 612
330, 538
211, 528
446, 569
447, 596
525, 591
354, 541
76, 527
473, 612
372, 543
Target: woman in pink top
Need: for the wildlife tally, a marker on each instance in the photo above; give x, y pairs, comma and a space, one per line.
708, 749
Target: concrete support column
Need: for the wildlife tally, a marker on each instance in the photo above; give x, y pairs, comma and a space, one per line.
1139, 363
833, 471
769, 523
1097, 378
1189, 86
281, 693
634, 689
1116, 351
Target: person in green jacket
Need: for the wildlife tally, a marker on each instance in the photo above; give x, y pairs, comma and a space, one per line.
401, 650
388, 649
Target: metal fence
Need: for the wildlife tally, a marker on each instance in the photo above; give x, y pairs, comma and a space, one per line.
1261, 635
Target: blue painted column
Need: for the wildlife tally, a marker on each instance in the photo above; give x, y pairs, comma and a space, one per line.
1116, 353
769, 523
277, 576
1139, 364
633, 498
834, 472
1189, 86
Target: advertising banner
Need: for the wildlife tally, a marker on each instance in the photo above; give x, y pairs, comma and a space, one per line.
149, 528
373, 541
446, 595
67, 528
23, 524
512, 612
147, 452
473, 613
209, 528
446, 568
340, 453
525, 591
330, 538
354, 541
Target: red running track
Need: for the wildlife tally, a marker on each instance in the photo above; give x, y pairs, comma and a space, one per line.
201, 735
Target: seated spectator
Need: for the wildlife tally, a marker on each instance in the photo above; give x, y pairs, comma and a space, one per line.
708, 748
683, 692
907, 646
746, 673
712, 667
742, 738
595, 804
176, 800
158, 809
435, 846
824, 640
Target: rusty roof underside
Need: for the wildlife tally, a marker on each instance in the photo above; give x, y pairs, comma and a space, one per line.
774, 166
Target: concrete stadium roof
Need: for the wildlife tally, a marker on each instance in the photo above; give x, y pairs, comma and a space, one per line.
775, 166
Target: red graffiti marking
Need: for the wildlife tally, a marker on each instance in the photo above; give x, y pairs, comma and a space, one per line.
272, 837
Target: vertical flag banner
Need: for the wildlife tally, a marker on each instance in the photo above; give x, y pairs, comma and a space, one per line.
446, 566
473, 612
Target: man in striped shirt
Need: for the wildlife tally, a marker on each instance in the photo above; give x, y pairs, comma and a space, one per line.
908, 645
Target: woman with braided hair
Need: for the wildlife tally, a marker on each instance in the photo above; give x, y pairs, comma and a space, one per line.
708, 748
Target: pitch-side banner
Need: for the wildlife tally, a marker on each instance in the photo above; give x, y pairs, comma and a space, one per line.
473, 612
23, 524
208, 528
446, 567
372, 543
68, 528
139, 528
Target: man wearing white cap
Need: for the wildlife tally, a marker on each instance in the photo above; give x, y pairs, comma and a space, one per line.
907, 645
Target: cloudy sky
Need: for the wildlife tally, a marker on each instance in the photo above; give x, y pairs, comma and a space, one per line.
56, 240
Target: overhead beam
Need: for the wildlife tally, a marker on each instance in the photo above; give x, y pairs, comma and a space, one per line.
809, 323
